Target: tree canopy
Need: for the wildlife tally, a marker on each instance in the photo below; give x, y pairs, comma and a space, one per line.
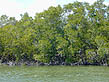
77, 32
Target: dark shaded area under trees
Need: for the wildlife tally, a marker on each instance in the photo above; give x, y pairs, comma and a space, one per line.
76, 34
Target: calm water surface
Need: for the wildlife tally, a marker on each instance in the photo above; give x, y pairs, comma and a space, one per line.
54, 74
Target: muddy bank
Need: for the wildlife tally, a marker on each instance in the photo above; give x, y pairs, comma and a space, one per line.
37, 63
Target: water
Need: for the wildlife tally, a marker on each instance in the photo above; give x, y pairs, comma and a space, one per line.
54, 74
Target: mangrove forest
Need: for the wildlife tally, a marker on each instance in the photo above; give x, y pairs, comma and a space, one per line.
74, 34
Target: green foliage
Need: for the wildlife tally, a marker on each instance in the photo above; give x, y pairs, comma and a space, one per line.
78, 32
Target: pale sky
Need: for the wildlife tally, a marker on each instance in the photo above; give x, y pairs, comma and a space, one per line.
13, 8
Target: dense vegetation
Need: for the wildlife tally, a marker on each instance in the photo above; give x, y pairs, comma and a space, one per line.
75, 33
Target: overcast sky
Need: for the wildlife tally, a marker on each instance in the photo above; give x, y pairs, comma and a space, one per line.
14, 8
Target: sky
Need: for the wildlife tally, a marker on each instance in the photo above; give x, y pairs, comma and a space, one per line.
13, 8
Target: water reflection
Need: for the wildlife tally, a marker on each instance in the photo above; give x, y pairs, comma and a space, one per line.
54, 74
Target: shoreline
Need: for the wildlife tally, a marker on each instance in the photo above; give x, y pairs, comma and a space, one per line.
34, 63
